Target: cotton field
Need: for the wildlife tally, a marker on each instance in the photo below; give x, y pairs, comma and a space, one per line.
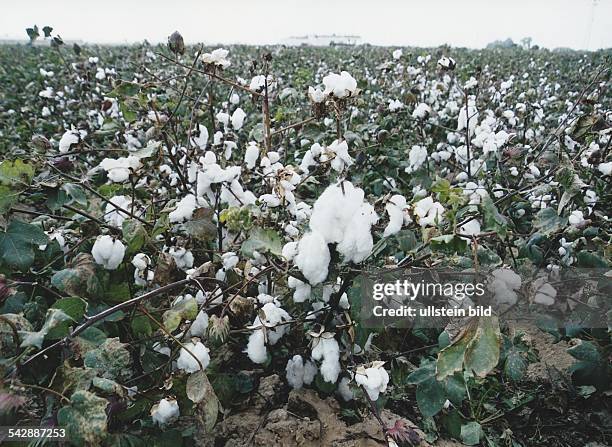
185, 230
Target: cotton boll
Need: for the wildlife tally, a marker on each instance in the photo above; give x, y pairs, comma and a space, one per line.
396, 209
290, 250
185, 208
605, 168
340, 85
504, 284
326, 349
182, 257
251, 155
165, 412
429, 212
299, 372
108, 252
112, 215
70, 138
302, 289
576, 218
316, 95
334, 209
187, 362
421, 111
199, 325
345, 390
357, 243
238, 118
119, 170
545, 295
256, 347
229, 260
313, 257
217, 57
201, 139
274, 315
470, 228
373, 379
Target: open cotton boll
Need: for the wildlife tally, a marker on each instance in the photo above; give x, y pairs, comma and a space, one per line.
421, 111
118, 170
429, 212
470, 114
69, 138
199, 325
545, 294
605, 168
112, 215
188, 363
302, 289
251, 155
182, 257
397, 54
327, 351
313, 257
316, 95
396, 209
357, 243
416, 157
290, 250
576, 218
504, 283
200, 138
299, 373
334, 209
108, 252
341, 158
470, 228
256, 346
345, 390
217, 57
374, 379
340, 85
229, 260
238, 118
185, 208
165, 412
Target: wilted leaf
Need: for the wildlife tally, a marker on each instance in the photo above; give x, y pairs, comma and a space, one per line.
201, 226
262, 240
548, 222
186, 309
56, 320
80, 279
84, 419
111, 359
482, 353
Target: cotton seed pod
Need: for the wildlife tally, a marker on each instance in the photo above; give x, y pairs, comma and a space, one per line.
176, 43
242, 307
41, 142
218, 327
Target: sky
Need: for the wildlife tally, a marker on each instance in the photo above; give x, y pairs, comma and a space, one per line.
579, 24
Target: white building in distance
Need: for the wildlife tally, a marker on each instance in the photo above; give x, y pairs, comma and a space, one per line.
320, 40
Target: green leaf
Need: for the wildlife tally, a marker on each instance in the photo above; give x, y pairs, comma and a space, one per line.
85, 418
407, 240
74, 307
16, 172
134, 234
547, 221
186, 309
482, 353
492, 219
515, 365
430, 397
141, 326
262, 240
18, 243
471, 433
590, 259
